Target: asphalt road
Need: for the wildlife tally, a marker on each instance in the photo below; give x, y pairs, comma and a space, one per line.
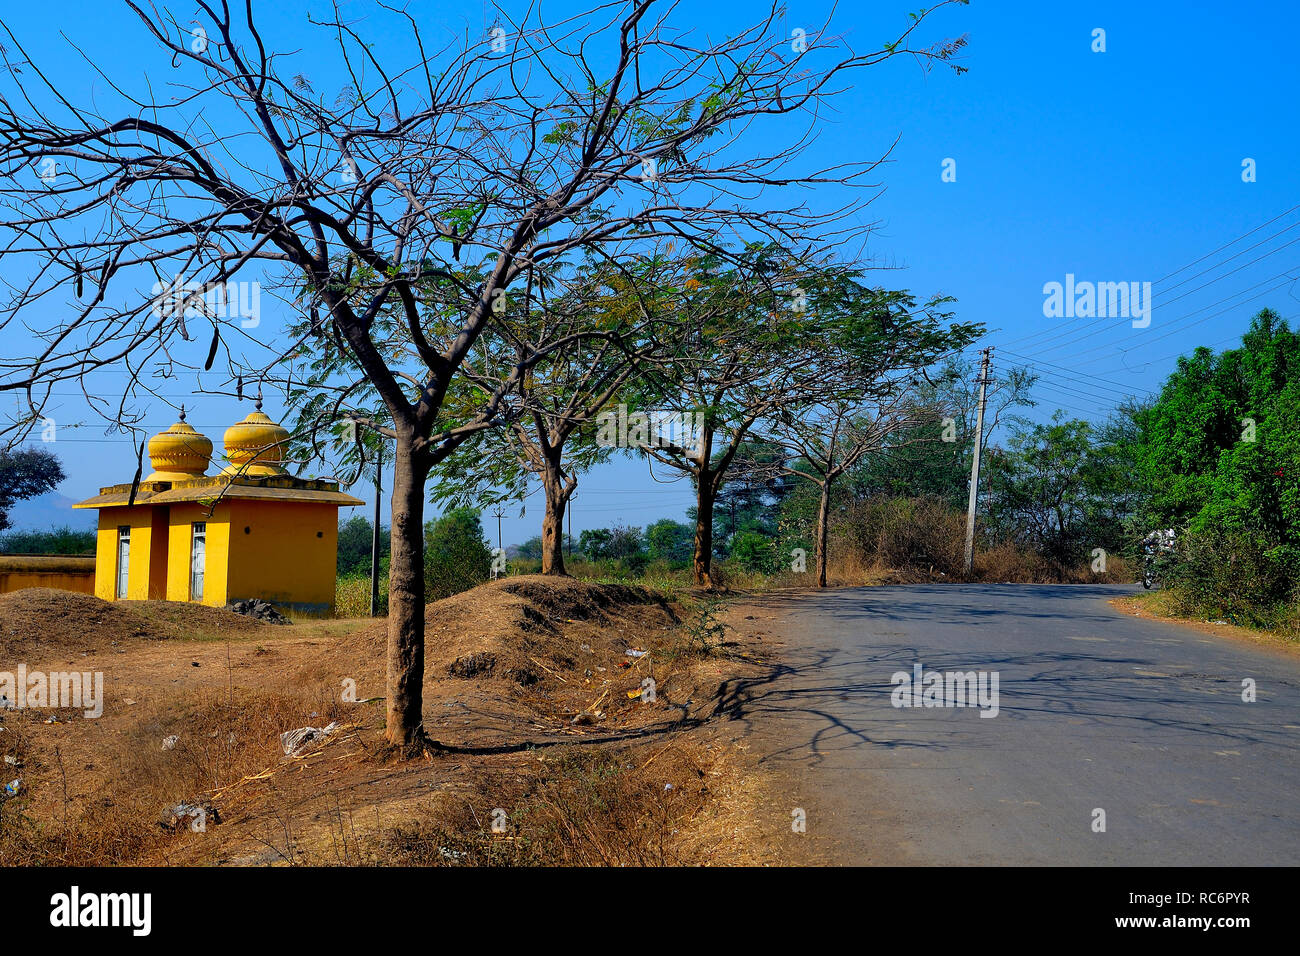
1096, 710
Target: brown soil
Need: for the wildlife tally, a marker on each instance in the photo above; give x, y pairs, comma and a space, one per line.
509, 666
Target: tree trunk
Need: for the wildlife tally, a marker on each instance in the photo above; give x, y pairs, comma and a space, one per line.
704, 497
823, 532
405, 713
553, 533
557, 500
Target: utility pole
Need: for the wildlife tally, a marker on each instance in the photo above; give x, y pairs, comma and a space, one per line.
374, 534
498, 513
973, 501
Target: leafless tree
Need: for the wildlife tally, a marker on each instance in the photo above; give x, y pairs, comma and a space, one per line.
871, 388
396, 212
826, 442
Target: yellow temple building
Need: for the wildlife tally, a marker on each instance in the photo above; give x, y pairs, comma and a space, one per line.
250, 531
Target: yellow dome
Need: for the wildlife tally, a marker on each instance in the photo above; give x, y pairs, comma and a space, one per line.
179, 453
255, 447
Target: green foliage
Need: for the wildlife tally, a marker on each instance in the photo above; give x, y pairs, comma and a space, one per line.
619, 541
595, 543
933, 459
751, 499
456, 554
1220, 451
670, 541
531, 549
1054, 487
1194, 442
619, 552
25, 474
1224, 573
64, 540
753, 551
355, 538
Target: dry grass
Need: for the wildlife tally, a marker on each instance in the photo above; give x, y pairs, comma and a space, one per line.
37, 621
577, 807
76, 812
1169, 605
912, 540
509, 666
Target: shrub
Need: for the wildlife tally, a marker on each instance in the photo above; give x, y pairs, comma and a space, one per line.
1233, 574
751, 551
65, 540
456, 557
921, 534
352, 595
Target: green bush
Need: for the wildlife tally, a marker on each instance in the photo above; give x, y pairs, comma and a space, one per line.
456, 556
753, 552
1231, 574
63, 540
355, 541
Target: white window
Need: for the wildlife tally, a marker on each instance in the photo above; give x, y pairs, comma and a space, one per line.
123, 560
198, 554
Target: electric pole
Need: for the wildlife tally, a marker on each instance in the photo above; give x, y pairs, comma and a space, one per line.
973, 501
500, 552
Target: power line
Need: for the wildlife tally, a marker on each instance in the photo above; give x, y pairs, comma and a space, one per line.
1227, 244
1180, 318
1122, 390
1175, 331
1060, 326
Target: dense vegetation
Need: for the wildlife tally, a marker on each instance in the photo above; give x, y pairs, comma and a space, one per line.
65, 540
1218, 456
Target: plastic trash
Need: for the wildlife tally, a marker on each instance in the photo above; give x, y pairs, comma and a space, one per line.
291, 741
14, 787
169, 743
195, 816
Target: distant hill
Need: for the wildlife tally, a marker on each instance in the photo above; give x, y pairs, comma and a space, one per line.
47, 511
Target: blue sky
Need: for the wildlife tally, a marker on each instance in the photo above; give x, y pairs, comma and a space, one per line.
1117, 166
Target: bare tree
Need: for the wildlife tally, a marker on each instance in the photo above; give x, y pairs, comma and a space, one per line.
870, 387
826, 442
395, 212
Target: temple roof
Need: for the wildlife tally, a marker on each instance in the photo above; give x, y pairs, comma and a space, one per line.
255, 450
210, 490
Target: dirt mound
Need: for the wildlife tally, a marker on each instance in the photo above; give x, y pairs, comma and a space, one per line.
548, 646
60, 623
